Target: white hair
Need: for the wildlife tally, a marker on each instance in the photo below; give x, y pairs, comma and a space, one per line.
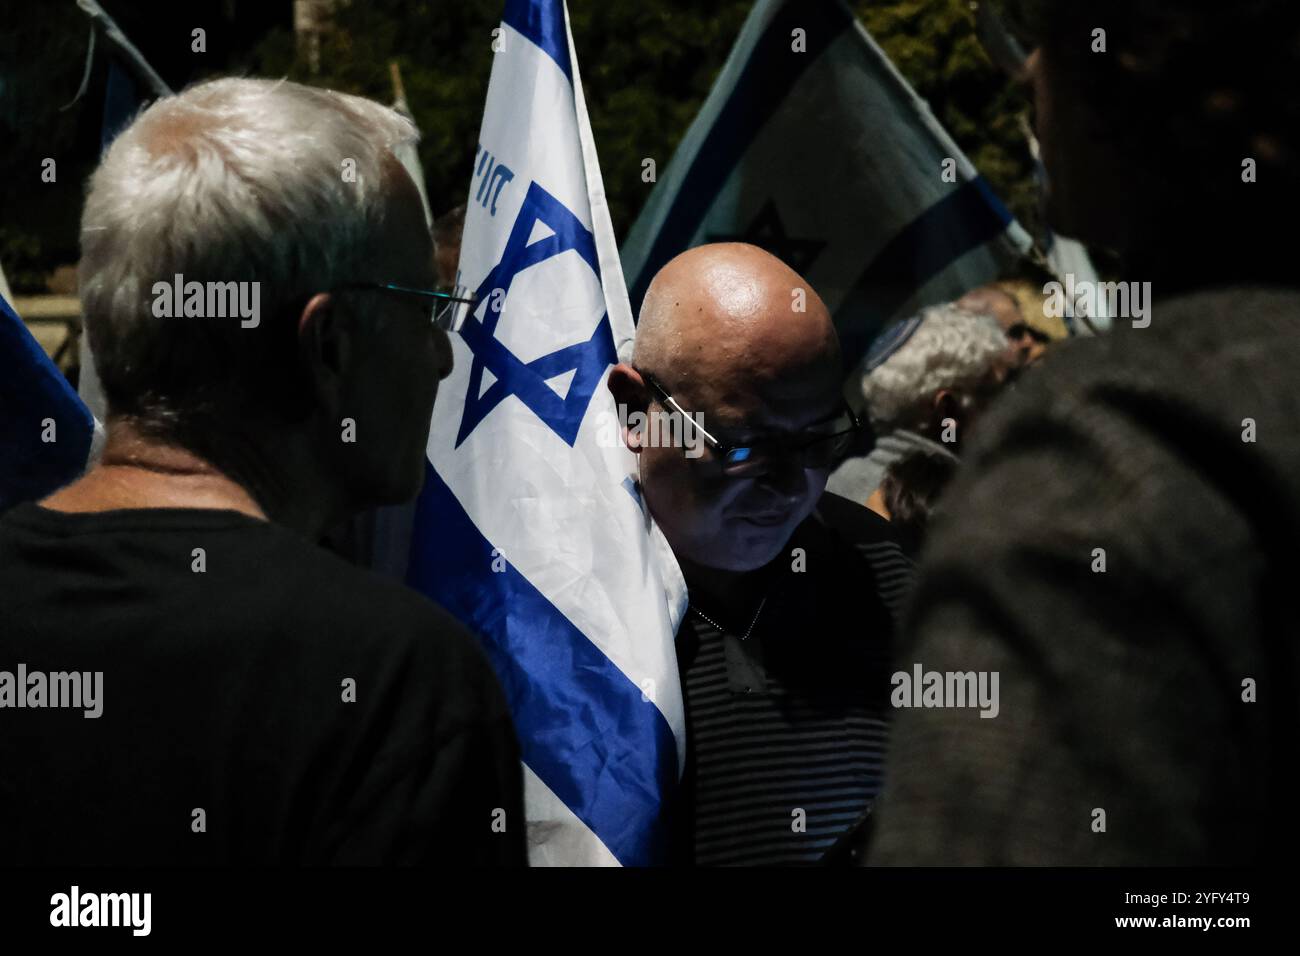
232, 180
951, 348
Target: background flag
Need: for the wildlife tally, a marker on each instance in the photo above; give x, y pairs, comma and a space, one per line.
813, 146
132, 84
1069, 257
45, 430
530, 528
36, 401
1061, 255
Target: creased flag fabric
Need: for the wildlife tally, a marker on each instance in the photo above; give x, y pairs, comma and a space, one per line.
5, 292
813, 146
529, 527
45, 430
1068, 257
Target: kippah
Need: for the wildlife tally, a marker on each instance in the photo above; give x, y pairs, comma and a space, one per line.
890, 341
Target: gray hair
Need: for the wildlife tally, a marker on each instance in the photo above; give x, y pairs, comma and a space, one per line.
233, 180
951, 348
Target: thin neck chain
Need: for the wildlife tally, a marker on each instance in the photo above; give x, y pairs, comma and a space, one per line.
714, 624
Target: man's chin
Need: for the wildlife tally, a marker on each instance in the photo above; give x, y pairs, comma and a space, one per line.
754, 544
398, 490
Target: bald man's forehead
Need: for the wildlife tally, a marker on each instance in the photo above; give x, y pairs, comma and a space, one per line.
732, 309
740, 335
762, 397
999, 303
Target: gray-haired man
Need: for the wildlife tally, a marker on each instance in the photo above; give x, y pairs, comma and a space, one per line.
927, 380
261, 700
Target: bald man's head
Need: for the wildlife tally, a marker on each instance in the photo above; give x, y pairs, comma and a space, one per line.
738, 306
743, 344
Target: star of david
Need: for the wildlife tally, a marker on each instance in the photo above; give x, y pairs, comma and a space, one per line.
768, 232
527, 380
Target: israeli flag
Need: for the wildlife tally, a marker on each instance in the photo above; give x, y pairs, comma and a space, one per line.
45, 430
125, 96
529, 528
1068, 258
813, 146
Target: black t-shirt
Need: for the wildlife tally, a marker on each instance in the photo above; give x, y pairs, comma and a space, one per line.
261, 701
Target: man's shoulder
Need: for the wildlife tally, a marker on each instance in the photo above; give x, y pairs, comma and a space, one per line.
224, 582
853, 547
1203, 345
1161, 441
328, 620
364, 608
852, 523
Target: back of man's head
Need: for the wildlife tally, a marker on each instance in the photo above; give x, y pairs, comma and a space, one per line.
945, 368
211, 223
234, 180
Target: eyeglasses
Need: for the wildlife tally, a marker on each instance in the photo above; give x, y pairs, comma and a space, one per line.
823, 446
1021, 330
446, 311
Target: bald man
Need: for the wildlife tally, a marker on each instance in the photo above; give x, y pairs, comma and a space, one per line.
784, 651
1027, 344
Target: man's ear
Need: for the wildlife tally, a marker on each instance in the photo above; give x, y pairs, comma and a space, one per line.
956, 405
947, 404
628, 387
326, 348
632, 396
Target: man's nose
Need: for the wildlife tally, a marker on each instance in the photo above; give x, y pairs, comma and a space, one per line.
443, 354
786, 477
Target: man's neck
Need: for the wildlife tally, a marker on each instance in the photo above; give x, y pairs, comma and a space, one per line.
137, 471
730, 594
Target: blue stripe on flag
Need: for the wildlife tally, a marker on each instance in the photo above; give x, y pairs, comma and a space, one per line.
122, 102
584, 726
543, 23
967, 217
33, 389
767, 77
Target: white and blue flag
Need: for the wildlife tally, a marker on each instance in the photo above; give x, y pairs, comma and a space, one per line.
813, 146
45, 430
529, 528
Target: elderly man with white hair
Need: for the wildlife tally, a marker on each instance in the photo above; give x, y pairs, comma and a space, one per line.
927, 379
253, 278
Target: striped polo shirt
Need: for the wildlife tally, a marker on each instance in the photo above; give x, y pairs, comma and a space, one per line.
786, 729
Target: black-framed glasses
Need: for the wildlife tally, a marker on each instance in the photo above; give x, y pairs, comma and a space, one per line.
446, 310
824, 446
1021, 330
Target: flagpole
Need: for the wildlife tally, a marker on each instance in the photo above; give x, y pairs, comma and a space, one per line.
124, 48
